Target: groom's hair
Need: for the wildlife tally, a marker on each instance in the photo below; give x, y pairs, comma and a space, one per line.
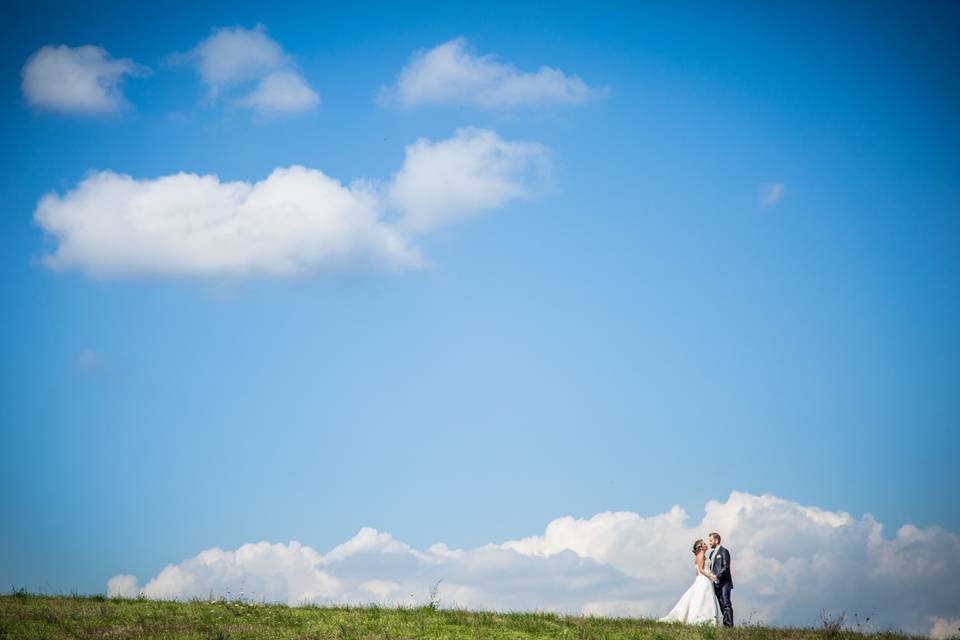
714, 535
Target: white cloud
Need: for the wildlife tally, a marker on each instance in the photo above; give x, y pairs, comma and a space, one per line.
471, 172
234, 56
771, 194
789, 563
452, 74
83, 80
294, 221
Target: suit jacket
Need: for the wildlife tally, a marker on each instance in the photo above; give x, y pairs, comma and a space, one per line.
720, 566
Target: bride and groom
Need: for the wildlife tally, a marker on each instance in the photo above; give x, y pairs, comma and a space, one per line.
708, 598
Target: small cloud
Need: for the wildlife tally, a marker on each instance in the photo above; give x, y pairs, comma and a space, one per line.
83, 80
238, 57
770, 194
474, 171
452, 74
88, 361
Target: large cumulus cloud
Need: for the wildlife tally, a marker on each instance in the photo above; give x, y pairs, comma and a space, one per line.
790, 562
296, 220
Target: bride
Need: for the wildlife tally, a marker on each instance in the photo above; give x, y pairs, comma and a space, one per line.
699, 604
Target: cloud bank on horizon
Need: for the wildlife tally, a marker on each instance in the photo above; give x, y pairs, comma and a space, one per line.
790, 562
296, 220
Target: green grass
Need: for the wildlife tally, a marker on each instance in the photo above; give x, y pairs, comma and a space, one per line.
57, 617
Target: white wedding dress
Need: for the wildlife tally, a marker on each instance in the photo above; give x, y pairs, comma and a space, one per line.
698, 605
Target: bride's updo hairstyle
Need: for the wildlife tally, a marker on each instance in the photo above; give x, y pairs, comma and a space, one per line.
697, 546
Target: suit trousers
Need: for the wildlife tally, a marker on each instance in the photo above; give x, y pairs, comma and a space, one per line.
723, 595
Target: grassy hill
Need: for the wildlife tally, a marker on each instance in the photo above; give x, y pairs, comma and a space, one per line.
53, 618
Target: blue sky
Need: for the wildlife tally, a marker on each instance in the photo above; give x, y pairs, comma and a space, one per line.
642, 330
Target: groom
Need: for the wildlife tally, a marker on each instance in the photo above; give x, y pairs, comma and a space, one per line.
718, 559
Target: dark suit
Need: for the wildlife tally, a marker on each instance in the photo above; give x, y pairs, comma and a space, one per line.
720, 567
